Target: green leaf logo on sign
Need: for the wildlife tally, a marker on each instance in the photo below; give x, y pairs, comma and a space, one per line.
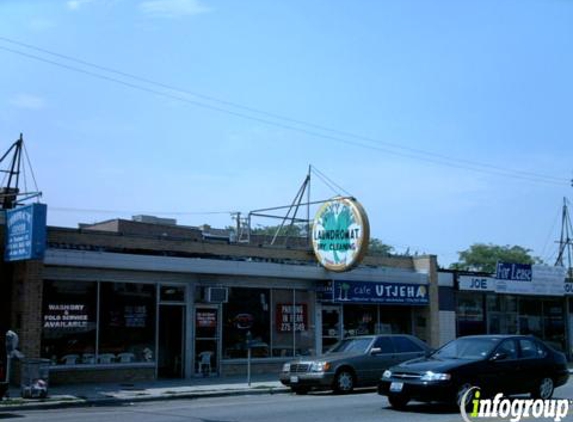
340, 234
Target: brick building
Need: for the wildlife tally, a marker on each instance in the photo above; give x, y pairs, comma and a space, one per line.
127, 300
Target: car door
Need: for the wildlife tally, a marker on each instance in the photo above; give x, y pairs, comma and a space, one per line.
532, 363
502, 373
381, 357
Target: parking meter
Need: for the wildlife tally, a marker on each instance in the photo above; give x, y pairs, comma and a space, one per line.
11, 343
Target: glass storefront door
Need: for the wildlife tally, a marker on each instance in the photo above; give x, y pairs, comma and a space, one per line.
171, 346
331, 326
206, 340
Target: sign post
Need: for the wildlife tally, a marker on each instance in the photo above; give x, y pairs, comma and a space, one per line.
249, 347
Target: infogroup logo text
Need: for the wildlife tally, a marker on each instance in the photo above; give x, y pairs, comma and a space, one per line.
512, 409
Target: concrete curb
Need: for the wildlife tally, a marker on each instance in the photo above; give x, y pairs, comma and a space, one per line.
114, 401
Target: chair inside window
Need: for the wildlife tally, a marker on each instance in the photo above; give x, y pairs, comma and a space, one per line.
126, 357
205, 362
106, 358
88, 358
70, 359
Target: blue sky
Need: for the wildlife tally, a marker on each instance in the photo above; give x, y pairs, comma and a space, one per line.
425, 111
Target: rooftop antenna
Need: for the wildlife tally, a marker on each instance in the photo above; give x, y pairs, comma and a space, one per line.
10, 191
301, 200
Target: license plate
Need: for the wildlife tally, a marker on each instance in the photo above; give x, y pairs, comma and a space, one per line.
293, 380
396, 387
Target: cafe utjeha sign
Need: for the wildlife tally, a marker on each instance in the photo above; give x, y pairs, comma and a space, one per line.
340, 234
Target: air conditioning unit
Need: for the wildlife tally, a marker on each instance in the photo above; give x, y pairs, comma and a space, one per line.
216, 294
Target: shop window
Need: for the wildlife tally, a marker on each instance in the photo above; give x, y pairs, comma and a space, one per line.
172, 293
554, 324
360, 319
502, 314
69, 322
394, 320
127, 323
530, 317
470, 314
293, 334
247, 311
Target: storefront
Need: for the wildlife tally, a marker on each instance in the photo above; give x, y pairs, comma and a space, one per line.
351, 308
126, 304
488, 305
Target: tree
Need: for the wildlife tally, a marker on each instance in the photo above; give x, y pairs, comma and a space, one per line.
295, 230
482, 257
377, 247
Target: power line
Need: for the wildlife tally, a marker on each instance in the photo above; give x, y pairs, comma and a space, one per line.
108, 211
341, 136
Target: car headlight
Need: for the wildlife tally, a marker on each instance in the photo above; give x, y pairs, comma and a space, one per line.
435, 376
387, 374
319, 366
286, 367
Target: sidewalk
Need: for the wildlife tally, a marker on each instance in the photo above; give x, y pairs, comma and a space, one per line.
117, 393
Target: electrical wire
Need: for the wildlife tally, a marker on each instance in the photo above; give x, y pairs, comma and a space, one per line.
268, 114
108, 211
409, 152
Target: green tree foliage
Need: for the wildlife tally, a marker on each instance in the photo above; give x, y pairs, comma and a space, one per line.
482, 257
377, 247
296, 230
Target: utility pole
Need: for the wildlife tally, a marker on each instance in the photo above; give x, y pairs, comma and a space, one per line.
565, 255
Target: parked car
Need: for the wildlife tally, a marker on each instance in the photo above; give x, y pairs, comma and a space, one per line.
353, 362
510, 364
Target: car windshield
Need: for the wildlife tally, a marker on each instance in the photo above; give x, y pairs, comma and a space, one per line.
467, 348
351, 345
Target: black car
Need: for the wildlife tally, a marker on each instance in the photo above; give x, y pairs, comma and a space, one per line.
510, 364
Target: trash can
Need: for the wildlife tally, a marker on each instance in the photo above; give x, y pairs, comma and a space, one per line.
35, 378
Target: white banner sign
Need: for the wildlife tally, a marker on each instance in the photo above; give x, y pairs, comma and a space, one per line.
545, 281
480, 284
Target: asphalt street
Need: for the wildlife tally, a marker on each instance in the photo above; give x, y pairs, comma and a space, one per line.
363, 406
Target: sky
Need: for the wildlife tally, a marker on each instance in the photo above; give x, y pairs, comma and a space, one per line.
451, 122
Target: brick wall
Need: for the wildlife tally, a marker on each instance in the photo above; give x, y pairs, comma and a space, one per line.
26, 318
99, 375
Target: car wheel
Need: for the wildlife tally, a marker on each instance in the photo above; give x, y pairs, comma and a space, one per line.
544, 389
398, 402
300, 391
344, 381
462, 396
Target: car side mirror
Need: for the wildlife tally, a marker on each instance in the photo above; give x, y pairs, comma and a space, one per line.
499, 356
375, 351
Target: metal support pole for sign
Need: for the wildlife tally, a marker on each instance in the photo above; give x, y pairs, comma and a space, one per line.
249, 366
8, 366
249, 346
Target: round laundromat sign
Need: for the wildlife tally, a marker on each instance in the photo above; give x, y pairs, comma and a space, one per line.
340, 234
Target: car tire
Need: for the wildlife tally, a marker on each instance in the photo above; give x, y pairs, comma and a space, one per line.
461, 392
398, 402
344, 381
300, 391
544, 389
